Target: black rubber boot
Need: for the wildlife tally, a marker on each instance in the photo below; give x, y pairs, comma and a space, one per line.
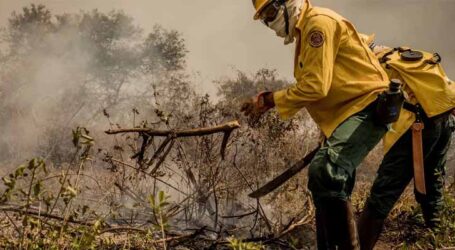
431, 211
322, 228
336, 227
431, 217
370, 228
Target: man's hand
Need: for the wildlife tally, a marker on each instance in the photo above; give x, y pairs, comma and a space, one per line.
258, 105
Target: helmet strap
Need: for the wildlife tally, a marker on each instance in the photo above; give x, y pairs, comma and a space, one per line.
286, 14
286, 18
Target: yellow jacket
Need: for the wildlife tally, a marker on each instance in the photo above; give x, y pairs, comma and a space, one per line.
337, 74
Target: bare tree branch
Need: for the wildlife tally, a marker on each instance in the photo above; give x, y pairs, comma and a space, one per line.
227, 127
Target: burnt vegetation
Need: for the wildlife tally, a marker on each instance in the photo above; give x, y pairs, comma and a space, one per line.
174, 169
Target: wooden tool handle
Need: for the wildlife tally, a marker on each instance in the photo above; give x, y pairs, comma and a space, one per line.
417, 156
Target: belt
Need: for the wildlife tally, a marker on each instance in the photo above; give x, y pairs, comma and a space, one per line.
421, 116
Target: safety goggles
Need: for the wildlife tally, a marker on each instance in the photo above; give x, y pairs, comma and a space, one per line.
270, 12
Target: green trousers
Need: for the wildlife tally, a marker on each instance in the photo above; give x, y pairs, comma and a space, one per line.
332, 171
396, 171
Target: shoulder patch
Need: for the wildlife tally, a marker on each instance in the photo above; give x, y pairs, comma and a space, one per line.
316, 38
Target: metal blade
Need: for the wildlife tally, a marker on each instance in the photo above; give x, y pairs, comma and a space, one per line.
286, 175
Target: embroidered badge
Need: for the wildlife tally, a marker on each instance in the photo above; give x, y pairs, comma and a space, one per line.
316, 39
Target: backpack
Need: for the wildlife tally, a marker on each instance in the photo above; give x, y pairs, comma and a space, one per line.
422, 74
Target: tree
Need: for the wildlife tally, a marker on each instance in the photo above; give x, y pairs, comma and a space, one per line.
164, 50
27, 29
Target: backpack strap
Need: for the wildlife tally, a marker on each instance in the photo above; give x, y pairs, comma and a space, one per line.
408, 54
435, 59
386, 56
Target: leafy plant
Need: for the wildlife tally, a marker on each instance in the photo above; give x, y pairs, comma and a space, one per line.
236, 244
159, 205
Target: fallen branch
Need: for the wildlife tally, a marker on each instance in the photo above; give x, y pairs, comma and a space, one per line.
227, 127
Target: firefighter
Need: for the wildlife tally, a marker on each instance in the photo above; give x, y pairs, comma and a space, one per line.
338, 80
430, 99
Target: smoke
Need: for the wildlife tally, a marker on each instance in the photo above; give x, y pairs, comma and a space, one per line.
38, 94
62, 71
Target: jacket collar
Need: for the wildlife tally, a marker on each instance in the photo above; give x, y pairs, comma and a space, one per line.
304, 14
299, 27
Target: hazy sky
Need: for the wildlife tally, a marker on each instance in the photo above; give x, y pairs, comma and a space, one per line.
221, 35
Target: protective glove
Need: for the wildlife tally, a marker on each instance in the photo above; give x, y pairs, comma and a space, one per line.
258, 105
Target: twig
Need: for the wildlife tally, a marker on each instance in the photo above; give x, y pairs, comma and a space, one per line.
130, 193
292, 226
46, 215
145, 144
162, 158
81, 174
65, 177
160, 149
163, 231
224, 144
12, 222
260, 210
121, 229
154, 177
239, 215
174, 238
69, 204
215, 197
27, 207
258, 239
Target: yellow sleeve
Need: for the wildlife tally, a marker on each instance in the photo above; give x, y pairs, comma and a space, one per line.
319, 45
